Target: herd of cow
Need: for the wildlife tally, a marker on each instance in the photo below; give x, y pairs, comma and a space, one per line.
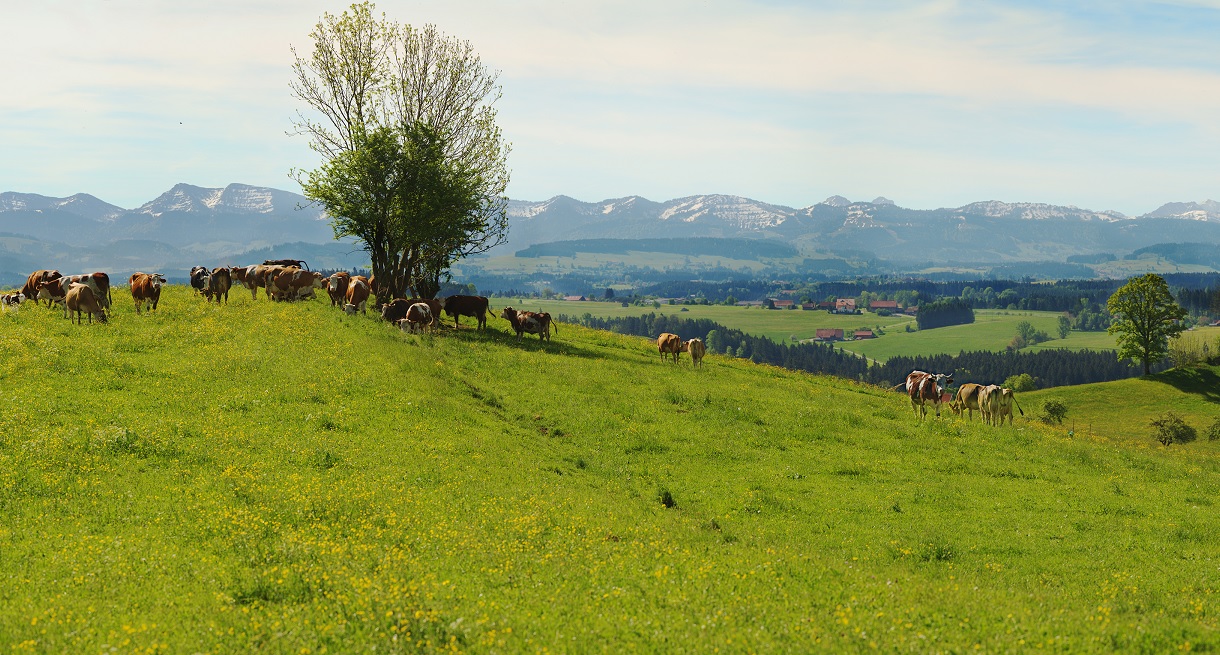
992, 401
282, 280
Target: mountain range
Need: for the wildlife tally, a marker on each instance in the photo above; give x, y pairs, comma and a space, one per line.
190, 225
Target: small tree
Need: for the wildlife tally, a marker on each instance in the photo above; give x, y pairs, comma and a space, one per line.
1213, 431
1145, 318
1065, 327
1020, 383
1170, 428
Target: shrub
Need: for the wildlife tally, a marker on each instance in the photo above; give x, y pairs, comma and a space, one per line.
1213, 431
1170, 428
1053, 411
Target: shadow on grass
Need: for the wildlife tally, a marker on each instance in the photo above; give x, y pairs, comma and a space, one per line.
531, 342
1202, 382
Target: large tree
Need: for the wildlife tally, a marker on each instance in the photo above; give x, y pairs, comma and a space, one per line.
415, 166
1146, 317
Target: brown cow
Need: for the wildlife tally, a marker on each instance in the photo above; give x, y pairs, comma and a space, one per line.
1003, 406
989, 403
80, 298
475, 306
967, 399
357, 295
523, 322
218, 284
669, 343
146, 288
56, 290
696, 349
336, 288
32, 284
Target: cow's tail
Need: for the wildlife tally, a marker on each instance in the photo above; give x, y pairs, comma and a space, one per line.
898, 387
1014, 401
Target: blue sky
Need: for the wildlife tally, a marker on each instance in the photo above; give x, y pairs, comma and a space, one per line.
1105, 105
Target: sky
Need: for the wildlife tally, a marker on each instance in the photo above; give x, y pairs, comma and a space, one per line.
1107, 105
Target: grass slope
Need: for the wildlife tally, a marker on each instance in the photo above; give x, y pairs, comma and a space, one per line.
284, 478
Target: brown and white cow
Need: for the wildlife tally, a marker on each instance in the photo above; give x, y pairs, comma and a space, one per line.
669, 344
418, 319
80, 298
294, 284
146, 288
199, 279
524, 322
219, 282
475, 306
924, 391
697, 350
336, 288
56, 291
35, 280
357, 297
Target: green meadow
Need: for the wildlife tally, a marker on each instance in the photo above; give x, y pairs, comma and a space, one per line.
283, 478
993, 329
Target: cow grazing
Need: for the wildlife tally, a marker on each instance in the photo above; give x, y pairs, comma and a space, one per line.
11, 301
199, 279
523, 322
80, 298
989, 403
669, 343
146, 288
336, 288
418, 319
924, 391
967, 399
35, 281
475, 306
358, 296
218, 284
55, 291
696, 349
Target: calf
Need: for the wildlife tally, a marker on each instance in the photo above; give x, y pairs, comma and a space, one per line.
358, 296
696, 349
146, 288
669, 343
538, 323
475, 306
80, 298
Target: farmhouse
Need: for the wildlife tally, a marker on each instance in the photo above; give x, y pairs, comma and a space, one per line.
575, 298
891, 305
828, 334
864, 334
845, 306
782, 304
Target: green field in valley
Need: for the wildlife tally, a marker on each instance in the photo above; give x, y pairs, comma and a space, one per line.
992, 330
274, 477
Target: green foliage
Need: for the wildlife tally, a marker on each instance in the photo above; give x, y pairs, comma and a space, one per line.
1053, 411
947, 311
1020, 383
1212, 432
1171, 429
1145, 318
1065, 327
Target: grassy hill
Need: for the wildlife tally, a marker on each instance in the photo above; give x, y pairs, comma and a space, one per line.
281, 477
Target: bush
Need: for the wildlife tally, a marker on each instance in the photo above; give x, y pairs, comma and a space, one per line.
1170, 428
1213, 431
1020, 383
1053, 411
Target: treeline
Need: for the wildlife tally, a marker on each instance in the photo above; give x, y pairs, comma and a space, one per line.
1049, 368
949, 311
717, 247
